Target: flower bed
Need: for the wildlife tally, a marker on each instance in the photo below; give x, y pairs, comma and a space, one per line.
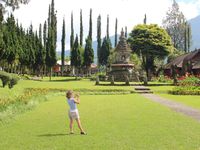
187, 86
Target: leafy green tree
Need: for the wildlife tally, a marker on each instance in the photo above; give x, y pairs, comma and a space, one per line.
14, 4
90, 25
88, 54
150, 42
63, 47
174, 23
81, 28
98, 37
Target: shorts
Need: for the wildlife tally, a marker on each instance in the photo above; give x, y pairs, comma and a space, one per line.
73, 114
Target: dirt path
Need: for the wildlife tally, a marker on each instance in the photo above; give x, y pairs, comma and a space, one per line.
178, 107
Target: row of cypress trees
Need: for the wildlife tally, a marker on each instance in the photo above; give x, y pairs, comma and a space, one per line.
84, 57
28, 51
34, 52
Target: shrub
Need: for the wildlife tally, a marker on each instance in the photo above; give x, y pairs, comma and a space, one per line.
5, 78
162, 78
8, 79
185, 90
189, 81
13, 80
187, 86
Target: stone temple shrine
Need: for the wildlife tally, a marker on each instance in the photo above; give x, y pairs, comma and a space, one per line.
121, 68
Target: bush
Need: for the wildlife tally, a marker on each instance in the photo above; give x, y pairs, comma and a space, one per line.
8, 79
189, 81
162, 78
187, 86
13, 81
5, 78
184, 90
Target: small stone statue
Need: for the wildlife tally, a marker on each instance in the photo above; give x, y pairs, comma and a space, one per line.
127, 80
97, 81
112, 80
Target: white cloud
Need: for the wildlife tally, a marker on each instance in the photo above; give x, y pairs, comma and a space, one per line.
128, 12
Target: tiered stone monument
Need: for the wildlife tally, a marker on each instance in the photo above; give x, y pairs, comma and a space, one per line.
122, 69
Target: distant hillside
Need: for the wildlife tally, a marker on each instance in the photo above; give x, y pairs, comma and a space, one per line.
195, 25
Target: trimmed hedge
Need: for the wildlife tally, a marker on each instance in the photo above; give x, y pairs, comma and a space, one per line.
190, 90
8, 79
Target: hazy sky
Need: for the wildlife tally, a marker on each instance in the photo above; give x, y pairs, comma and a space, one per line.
128, 12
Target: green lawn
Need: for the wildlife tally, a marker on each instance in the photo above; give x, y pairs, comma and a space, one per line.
189, 100
113, 122
57, 82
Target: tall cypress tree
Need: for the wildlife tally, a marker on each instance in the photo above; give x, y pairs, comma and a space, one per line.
189, 36
44, 44
81, 28
1, 35
126, 33
52, 38
145, 19
98, 37
88, 54
107, 33
90, 25
116, 23
186, 38
76, 55
53, 34
48, 40
72, 33
104, 52
11, 42
32, 54
72, 44
37, 47
41, 50
63, 47
107, 29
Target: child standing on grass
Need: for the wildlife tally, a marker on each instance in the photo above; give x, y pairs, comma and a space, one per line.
73, 111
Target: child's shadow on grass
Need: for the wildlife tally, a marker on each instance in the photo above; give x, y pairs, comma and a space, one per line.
54, 134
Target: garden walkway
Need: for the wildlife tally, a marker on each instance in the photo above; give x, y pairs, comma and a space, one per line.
178, 107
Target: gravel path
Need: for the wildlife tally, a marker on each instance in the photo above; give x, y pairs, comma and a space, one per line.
178, 107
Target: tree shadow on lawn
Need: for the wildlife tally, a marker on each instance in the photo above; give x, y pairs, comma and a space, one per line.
55, 134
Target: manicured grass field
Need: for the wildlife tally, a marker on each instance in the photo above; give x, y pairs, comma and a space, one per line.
113, 122
189, 100
57, 82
